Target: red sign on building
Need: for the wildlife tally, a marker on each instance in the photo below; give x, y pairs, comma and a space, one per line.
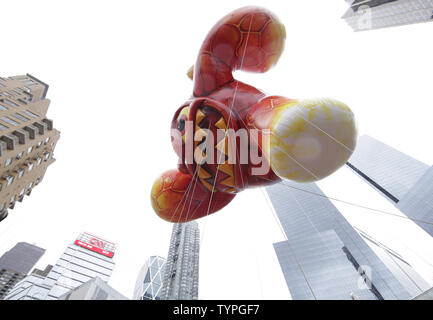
96, 244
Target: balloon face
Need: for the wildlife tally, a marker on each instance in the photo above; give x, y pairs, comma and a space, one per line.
230, 136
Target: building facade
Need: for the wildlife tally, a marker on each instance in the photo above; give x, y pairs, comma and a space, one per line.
88, 257
27, 138
149, 281
182, 267
95, 289
16, 263
323, 256
374, 14
400, 268
427, 295
401, 179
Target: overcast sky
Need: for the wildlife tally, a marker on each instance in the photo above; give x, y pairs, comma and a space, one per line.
116, 71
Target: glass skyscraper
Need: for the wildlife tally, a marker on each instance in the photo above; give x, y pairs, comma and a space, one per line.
16, 263
88, 257
323, 256
374, 14
149, 280
181, 270
401, 179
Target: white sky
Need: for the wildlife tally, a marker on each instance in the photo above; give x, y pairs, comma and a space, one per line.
116, 71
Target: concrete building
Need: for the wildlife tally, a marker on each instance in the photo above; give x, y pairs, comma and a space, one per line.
182, 267
88, 257
149, 281
16, 263
27, 138
324, 257
95, 289
374, 14
404, 181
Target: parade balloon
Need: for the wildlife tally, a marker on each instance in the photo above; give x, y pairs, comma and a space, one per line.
230, 136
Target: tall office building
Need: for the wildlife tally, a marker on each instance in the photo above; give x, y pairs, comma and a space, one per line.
402, 180
149, 280
27, 138
16, 263
374, 14
88, 257
181, 270
323, 256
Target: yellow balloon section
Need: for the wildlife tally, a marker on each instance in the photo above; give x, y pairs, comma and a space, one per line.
310, 139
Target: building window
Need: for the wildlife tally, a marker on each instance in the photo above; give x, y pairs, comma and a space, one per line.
30, 166
9, 179
28, 81
20, 155
3, 108
20, 117
39, 144
8, 162
47, 140
10, 121
12, 200
29, 150
7, 94
30, 114
20, 172
3, 128
10, 103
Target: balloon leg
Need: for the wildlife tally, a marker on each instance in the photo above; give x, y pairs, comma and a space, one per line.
178, 197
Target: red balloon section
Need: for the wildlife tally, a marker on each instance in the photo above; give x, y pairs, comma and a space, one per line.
208, 178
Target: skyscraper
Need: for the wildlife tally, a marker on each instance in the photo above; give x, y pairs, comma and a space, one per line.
374, 14
27, 138
181, 270
88, 257
16, 263
404, 181
323, 256
149, 280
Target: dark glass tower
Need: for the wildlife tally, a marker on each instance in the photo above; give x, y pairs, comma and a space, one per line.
16, 263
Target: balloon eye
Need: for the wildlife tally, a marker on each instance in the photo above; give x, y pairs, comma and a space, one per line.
181, 125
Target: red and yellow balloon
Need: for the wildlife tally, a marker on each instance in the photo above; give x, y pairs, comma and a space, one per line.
300, 140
